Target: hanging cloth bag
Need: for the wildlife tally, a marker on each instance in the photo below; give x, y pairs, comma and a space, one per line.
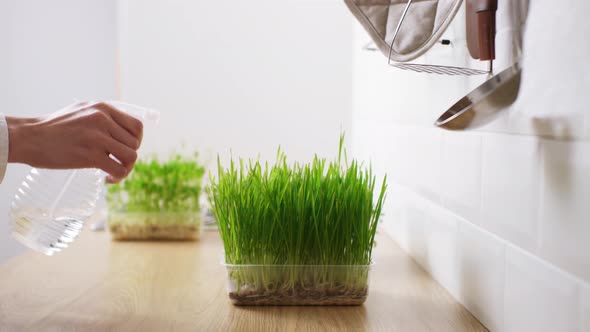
421, 29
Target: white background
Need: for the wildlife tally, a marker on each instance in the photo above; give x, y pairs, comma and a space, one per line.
225, 75
240, 75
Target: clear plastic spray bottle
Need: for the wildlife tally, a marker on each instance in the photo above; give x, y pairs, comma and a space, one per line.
50, 206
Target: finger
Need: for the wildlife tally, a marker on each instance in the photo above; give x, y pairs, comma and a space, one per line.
115, 170
82, 104
123, 153
113, 180
123, 136
131, 124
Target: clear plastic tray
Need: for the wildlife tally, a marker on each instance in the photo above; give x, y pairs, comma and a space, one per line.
298, 284
155, 225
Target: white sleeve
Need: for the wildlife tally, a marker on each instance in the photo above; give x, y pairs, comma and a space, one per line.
3, 146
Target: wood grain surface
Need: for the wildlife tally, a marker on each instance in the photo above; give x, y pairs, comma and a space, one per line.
100, 285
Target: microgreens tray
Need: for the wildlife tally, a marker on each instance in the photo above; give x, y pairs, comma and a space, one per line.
297, 233
154, 225
159, 200
298, 284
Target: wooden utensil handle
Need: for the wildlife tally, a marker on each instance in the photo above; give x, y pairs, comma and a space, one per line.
481, 28
486, 28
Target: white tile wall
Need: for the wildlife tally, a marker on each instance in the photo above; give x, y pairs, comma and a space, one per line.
538, 297
565, 207
441, 241
461, 178
510, 187
427, 178
499, 216
519, 201
532, 197
481, 284
553, 99
569, 126
413, 155
420, 230
395, 219
430, 236
584, 308
397, 154
507, 288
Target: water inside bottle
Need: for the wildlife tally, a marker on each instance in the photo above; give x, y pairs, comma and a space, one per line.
50, 206
38, 230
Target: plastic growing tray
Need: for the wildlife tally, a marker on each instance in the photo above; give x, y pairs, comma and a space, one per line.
298, 284
155, 225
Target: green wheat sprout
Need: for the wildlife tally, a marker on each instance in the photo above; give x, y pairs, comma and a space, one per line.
321, 215
174, 185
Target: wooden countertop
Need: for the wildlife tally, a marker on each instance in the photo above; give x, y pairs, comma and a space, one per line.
165, 286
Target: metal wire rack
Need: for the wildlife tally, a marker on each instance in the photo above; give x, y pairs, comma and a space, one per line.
430, 68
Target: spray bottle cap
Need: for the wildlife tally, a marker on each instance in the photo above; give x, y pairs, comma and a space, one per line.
139, 112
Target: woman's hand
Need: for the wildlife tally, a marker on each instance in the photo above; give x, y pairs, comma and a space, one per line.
82, 135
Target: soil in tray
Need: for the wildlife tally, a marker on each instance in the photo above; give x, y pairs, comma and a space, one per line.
154, 232
300, 297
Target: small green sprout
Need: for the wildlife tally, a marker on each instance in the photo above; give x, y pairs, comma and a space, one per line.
153, 186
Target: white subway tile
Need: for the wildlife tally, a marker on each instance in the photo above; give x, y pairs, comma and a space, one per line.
555, 94
398, 156
565, 206
410, 154
399, 232
441, 231
480, 263
423, 174
461, 177
427, 232
568, 126
418, 213
389, 94
407, 101
416, 236
537, 296
407, 227
510, 187
394, 215
584, 308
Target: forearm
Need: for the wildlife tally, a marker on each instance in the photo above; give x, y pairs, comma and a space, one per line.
82, 135
19, 132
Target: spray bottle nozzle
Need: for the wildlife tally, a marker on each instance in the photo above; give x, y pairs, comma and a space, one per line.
139, 112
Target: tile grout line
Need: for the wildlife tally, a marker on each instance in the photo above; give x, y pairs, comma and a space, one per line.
581, 301
540, 196
506, 246
578, 138
443, 143
482, 170
512, 246
504, 277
